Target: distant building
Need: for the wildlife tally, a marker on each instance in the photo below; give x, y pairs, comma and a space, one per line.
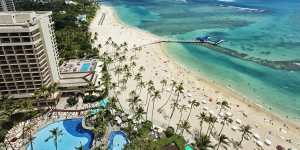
28, 53
81, 18
7, 5
69, 2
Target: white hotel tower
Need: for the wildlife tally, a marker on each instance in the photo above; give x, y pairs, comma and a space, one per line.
28, 52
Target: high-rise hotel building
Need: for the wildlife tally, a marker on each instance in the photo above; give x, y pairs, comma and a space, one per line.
7, 5
28, 52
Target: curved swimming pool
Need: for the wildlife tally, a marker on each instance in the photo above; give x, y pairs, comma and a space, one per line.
117, 140
73, 135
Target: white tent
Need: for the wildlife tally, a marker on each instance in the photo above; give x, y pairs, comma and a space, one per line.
259, 143
256, 136
238, 121
268, 142
204, 102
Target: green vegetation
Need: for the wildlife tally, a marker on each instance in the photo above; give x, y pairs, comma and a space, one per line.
90, 99
72, 101
73, 38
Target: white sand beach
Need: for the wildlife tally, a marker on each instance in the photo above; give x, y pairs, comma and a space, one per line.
159, 66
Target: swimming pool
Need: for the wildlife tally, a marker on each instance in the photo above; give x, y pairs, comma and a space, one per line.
85, 67
102, 103
73, 135
117, 140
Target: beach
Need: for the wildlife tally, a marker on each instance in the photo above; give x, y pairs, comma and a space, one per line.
158, 66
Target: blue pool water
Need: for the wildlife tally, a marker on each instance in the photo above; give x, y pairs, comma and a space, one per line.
85, 67
102, 103
117, 140
73, 134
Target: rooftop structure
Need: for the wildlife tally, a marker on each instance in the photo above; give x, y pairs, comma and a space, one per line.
76, 74
28, 52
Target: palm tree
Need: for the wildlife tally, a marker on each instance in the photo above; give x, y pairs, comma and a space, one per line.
118, 71
52, 89
138, 77
223, 139
140, 86
245, 129
163, 84
127, 75
225, 121
55, 134
223, 105
179, 91
123, 82
201, 117
181, 109
174, 104
141, 69
133, 102
211, 122
113, 87
193, 103
139, 113
185, 126
173, 84
150, 90
80, 147
155, 95
203, 142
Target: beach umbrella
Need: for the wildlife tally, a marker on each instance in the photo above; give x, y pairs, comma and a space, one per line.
221, 114
189, 94
256, 136
259, 143
204, 102
229, 114
234, 128
268, 142
238, 121
205, 108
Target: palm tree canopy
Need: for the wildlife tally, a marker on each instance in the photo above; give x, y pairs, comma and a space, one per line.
203, 142
194, 103
223, 139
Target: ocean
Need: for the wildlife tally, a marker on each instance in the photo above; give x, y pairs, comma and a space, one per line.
261, 29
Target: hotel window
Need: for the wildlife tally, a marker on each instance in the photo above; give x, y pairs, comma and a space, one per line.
24, 34
13, 34
28, 47
3, 34
16, 40
29, 51
5, 40
21, 57
26, 39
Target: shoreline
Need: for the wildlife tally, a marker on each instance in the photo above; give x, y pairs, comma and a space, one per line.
198, 75
234, 97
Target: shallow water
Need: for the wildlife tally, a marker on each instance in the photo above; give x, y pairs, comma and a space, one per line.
263, 29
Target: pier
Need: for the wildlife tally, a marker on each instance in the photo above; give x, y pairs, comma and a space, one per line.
289, 65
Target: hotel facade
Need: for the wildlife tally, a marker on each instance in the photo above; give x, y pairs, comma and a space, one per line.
28, 53
7, 5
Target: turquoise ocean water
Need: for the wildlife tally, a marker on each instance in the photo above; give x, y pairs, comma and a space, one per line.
267, 29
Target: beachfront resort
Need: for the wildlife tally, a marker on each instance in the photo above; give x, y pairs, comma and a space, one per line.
114, 88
